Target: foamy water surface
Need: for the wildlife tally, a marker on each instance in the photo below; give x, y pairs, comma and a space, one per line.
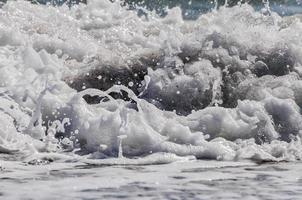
96, 101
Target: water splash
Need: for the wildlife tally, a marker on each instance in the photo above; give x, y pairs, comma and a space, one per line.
226, 86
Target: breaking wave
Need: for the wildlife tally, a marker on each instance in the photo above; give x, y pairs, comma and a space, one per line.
98, 81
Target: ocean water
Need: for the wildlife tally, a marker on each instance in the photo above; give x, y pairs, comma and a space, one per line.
178, 180
117, 100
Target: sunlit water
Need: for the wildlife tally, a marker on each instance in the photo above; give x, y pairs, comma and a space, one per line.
106, 100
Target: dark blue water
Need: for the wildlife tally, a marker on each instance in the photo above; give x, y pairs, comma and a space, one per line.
194, 8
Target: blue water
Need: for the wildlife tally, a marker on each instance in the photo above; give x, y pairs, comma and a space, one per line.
194, 8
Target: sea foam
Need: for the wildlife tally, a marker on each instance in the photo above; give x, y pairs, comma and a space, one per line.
99, 80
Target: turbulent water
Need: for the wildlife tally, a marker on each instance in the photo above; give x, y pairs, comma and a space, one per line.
100, 84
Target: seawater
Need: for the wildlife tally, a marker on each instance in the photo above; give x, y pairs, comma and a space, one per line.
118, 101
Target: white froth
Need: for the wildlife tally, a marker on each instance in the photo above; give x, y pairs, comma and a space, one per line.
226, 86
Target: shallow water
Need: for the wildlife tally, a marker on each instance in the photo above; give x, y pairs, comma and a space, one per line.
178, 180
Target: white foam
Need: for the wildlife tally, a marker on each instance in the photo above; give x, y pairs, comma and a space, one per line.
226, 86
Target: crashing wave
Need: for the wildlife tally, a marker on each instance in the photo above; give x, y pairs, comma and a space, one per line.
97, 79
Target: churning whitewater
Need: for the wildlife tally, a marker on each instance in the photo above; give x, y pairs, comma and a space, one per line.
95, 82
